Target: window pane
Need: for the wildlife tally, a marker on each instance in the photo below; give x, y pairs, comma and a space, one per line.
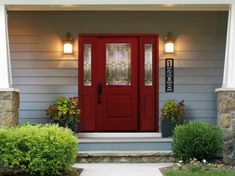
148, 64
87, 64
118, 63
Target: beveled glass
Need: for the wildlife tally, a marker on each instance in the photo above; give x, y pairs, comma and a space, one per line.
118, 64
87, 64
148, 64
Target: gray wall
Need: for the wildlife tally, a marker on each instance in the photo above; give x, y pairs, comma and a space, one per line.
42, 73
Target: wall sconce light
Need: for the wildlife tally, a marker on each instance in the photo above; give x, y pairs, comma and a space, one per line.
68, 44
169, 46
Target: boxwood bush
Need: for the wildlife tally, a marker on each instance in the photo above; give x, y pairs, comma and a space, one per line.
198, 140
37, 150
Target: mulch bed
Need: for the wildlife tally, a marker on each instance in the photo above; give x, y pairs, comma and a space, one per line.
77, 172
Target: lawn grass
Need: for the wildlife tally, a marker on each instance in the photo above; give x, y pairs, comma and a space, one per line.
205, 173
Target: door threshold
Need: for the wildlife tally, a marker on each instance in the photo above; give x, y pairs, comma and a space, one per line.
120, 135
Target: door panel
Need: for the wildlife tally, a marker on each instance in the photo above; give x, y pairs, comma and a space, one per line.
118, 106
118, 76
148, 84
87, 84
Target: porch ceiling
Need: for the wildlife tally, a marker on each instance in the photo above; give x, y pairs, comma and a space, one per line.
167, 7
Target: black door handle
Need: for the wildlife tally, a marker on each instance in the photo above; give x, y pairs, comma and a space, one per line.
100, 92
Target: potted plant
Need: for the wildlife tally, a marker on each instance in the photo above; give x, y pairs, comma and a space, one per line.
65, 112
172, 114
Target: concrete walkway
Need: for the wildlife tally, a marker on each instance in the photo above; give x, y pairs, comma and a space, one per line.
123, 169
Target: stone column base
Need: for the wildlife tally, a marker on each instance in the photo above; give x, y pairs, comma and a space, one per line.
226, 121
9, 107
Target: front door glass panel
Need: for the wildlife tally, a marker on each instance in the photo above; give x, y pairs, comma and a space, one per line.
118, 64
87, 64
148, 64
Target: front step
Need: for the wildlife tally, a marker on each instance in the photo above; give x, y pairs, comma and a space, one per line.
124, 150
126, 157
125, 144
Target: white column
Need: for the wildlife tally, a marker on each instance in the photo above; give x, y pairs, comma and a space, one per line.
229, 65
4, 50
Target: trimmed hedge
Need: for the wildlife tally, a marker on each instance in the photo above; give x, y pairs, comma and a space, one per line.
37, 150
198, 140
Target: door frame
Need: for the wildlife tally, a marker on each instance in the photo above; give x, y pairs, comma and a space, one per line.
140, 54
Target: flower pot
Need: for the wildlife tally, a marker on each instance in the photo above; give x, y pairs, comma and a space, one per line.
167, 127
73, 127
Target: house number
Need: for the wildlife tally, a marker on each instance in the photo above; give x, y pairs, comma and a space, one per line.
169, 75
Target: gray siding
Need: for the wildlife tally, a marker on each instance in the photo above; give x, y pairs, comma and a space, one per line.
42, 73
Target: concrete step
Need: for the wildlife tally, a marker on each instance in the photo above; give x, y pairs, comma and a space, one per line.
124, 144
130, 148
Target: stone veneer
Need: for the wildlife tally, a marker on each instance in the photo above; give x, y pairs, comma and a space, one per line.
226, 120
122, 157
9, 106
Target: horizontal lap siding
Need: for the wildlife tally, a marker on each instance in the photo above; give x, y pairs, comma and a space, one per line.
42, 72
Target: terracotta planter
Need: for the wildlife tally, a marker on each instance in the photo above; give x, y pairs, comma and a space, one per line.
167, 127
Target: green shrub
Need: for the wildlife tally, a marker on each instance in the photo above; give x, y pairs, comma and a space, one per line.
198, 140
37, 150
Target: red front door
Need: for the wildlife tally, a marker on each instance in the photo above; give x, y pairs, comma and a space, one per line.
114, 96
118, 79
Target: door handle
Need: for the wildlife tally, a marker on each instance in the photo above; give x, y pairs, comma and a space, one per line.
100, 93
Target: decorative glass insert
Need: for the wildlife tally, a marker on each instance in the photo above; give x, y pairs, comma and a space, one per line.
118, 63
87, 64
148, 64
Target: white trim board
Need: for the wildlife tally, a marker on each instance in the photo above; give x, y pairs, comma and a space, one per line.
9, 90
225, 90
113, 2
4, 52
119, 135
117, 8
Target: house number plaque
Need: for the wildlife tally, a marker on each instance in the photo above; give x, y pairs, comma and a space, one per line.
169, 75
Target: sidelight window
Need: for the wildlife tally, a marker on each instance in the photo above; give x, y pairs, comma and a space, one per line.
148, 64
87, 64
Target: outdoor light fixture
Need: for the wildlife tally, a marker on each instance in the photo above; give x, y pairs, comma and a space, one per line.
169, 46
68, 44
